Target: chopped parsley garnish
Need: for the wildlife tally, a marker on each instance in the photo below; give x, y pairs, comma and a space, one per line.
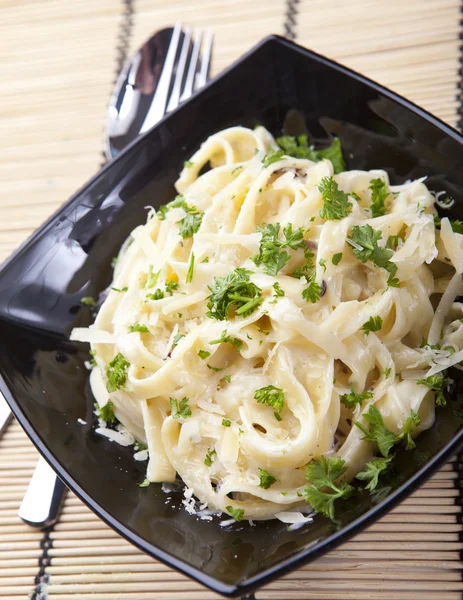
177, 338
298, 147
392, 242
187, 164
279, 291
235, 290
336, 203
209, 456
237, 169
322, 263
152, 278
203, 354
271, 254
323, 491
180, 409
138, 328
191, 266
205, 260
228, 339
378, 432
312, 292
106, 412
236, 513
116, 372
216, 369
373, 324
124, 289
387, 372
379, 193
352, 399
373, 470
87, 301
144, 483
336, 258
190, 223
437, 384
413, 419
171, 286
272, 156
364, 242
456, 224
273, 397
158, 295
226, 422
227, 378
92, 360
266, 480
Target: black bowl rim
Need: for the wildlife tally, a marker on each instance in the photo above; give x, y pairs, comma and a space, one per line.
304, 556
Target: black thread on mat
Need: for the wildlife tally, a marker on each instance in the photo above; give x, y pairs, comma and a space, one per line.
41, 578
460, 72
291, 19
123, 43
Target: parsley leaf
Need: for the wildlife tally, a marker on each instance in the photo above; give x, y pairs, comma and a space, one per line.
226, 422
298, 147
413, 419
373, 324
351, 400
322, 263
271, 396
437, 384
456, 224
158, 295
336, 258
124, 289
190, 223
187, 164
106, 412
227, 378
266, 480
364, 240
279, 291
177, 338
87, 301
189, 275
236, 513
144, 483
272, 156
312, 292
209, 456
271, 255
235, 290
216, 369
171, 286
322, 491
139, 328
373, 470
152, 277
203, 354
336, 203
228, 339
378, 432
116, 373
379, 193
180, 409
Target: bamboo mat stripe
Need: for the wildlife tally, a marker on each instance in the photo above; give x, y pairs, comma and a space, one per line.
55, 90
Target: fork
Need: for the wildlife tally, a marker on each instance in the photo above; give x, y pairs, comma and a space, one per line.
44, 496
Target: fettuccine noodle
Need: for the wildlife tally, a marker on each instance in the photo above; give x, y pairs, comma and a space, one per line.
190, 394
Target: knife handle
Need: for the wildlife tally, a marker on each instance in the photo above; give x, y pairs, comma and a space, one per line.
43, 498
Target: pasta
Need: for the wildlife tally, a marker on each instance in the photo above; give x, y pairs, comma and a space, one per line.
254, 320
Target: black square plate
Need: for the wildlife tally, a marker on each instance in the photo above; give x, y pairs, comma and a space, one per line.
277, 84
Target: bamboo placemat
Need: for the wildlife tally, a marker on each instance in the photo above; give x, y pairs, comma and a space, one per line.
59, 59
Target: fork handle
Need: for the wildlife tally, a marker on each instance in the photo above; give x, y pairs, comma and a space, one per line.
44, 496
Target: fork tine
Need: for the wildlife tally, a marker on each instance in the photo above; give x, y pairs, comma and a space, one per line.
158, 106
202, 76
188, 89
174, 100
